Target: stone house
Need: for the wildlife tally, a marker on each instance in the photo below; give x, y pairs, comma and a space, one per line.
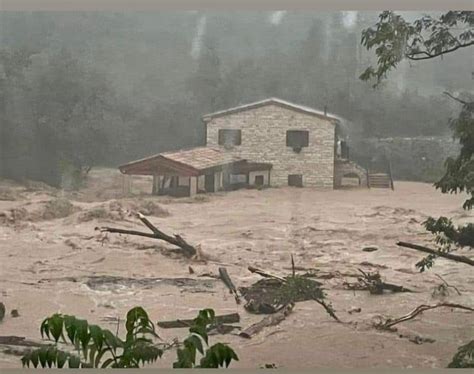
299, 142
266, 143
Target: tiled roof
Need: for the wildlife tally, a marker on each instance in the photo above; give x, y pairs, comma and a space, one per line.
201, 158
274, 101
189, 161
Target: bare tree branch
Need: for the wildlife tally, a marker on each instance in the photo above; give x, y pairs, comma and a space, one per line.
387, 325
449, 256
455, 98
176, 240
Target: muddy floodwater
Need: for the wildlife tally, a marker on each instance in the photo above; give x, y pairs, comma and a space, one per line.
52, 260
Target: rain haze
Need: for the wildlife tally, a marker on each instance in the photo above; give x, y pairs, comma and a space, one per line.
259, 164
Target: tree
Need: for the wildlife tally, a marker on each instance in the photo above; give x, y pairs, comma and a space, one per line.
12, 65
394, 40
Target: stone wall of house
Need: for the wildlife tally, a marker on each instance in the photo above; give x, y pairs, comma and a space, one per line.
347, 168
264, 140
265, 174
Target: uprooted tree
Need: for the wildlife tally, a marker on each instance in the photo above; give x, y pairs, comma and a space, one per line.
395, 40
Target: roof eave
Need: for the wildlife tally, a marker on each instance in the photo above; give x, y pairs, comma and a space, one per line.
208, 117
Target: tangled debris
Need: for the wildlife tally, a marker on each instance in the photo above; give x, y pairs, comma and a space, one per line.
272, 294
374, 284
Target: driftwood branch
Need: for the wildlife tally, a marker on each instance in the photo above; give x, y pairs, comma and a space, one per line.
448, 285
264, 274
271, 320
374, 284
388, 325
328, 309
224, 276
181, 323
176, 240
449, 256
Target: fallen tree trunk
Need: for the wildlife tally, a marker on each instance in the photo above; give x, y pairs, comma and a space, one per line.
176, 240
271, 320
388, 324
228, 282
448, 256
180, 323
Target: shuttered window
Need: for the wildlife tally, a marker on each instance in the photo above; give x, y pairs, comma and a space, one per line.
230, 137
297, 138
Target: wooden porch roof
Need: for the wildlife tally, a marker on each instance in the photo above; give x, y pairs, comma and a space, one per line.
189, 162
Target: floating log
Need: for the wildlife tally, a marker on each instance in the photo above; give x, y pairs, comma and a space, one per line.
181, 323
271, 320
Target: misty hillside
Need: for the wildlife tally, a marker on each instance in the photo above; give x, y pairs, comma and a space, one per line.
139, 82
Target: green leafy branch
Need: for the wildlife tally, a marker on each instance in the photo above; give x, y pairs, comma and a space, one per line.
95, 347
395, 39
218, 355
93, 343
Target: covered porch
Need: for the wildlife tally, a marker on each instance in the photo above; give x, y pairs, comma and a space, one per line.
186, 173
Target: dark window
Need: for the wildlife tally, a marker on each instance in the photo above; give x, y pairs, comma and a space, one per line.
297, 138
344, 150
230, 137
259, 180
295, 180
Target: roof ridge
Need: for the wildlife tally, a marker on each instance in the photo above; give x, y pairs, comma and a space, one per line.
270, 100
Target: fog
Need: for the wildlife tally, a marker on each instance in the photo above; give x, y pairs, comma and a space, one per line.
163, 159
143, 80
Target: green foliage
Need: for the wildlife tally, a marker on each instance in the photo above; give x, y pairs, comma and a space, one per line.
96, 347
459, 177
460, 170
464, 357
447, 237
395, 39
296, 288
218, 355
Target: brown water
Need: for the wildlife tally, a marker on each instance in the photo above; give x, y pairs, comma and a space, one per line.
322, 229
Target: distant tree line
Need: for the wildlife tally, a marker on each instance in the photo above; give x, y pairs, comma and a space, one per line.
80, 90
